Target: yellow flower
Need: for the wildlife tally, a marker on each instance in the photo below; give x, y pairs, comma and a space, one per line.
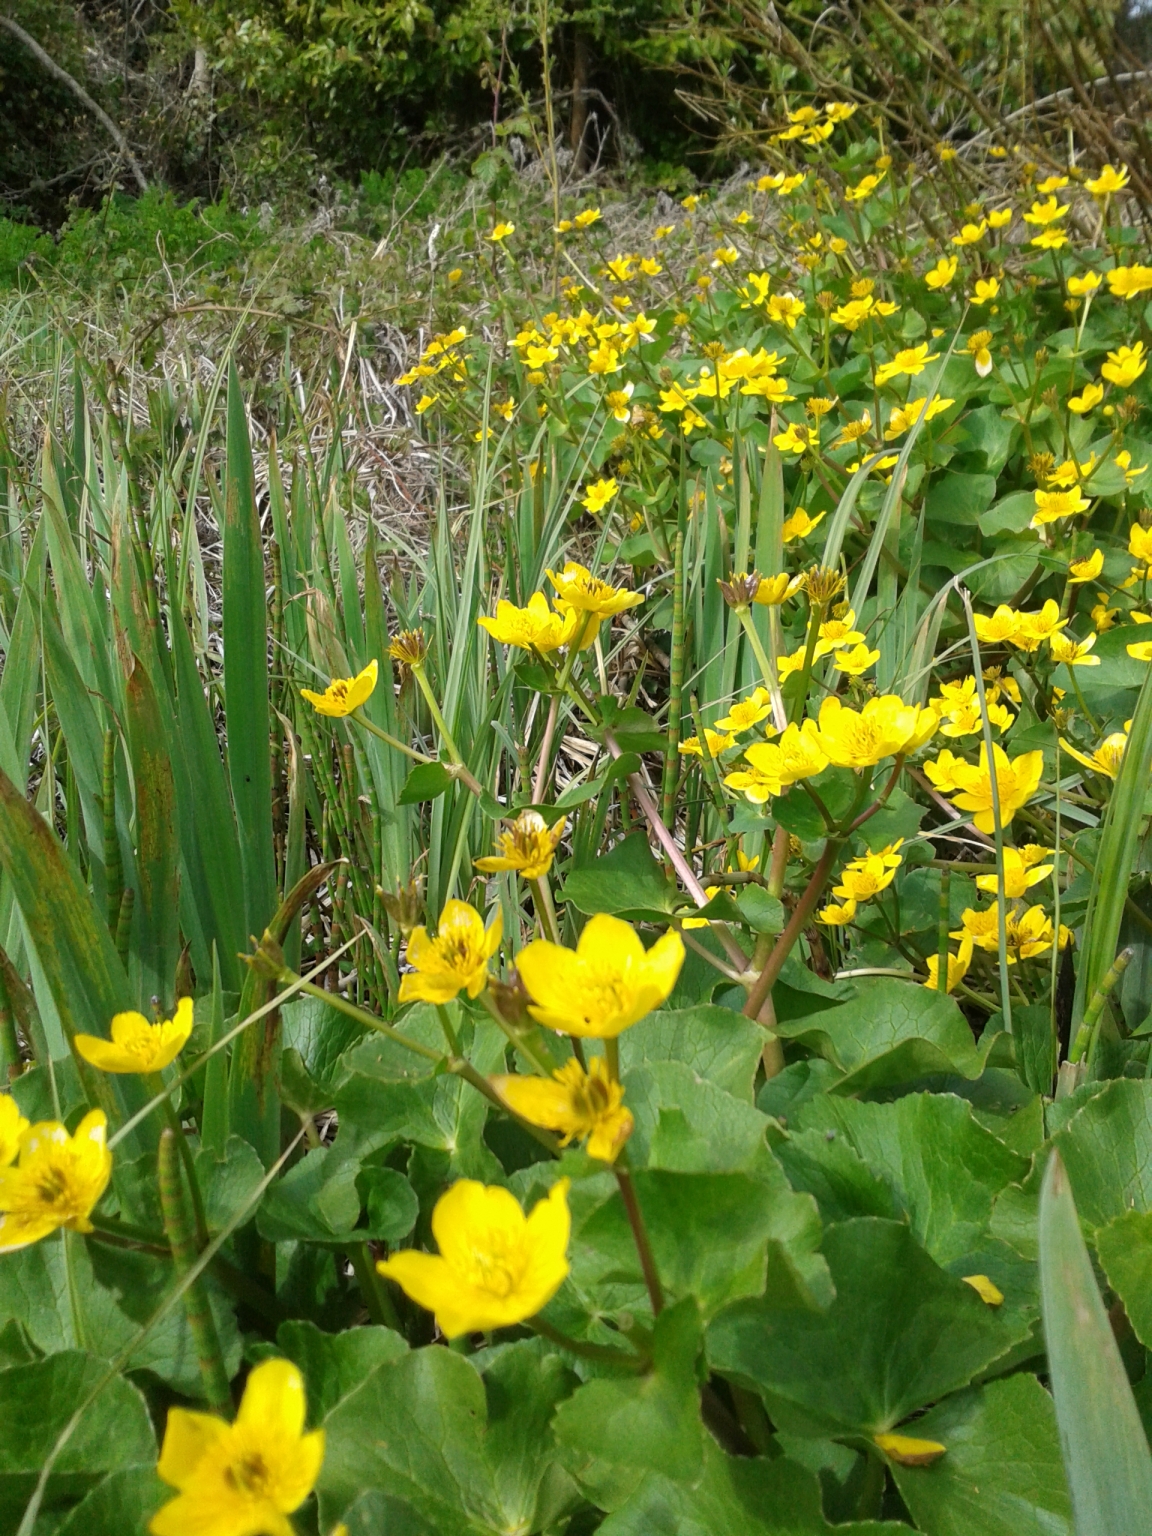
425, 403
864, 878
904, 418
839, 111
1072, 652
537, 356
977, 347
800, 525
56, 1182
12, 1128
1142, 651
575, 1102
1091, 397
1019, 876
1083, 284
1000, 627
242, 1478
863, 189
717, 743
598, 494
606, 984
1108, 755
796, 438
343, 694
501, 232
957, 968
136, 1045
579, 589
1037, 626
885, 727
496, 1267
1109, 180
1046, 213
618, 402
999, 217
834, 916
1128, 282
604, 359
1050, 239
586, 217
745, 713
855, 662
533, 628
986, 289
1125, 365
774, 589
906, 1450
1132, 472
457, 958
837, 633
678, 397
910, 361
786, 308
1051, 505
942, 273
527, 847
772, 766
1016, 782
971, 234
1140, 543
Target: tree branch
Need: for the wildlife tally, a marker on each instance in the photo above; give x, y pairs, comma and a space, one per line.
57, 72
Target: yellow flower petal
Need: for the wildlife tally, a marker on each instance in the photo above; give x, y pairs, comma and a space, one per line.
344, 694
988, 1293
909, 1451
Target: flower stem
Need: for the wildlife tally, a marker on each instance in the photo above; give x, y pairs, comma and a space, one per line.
392, 741
627, 1361
377, 1302
156, 1086
441, 725
201, 1323
640, 1236
545, 911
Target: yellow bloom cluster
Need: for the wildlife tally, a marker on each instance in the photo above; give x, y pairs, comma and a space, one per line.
860, 880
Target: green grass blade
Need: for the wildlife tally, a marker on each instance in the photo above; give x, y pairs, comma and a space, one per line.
1106, 1455
156, 936
246, 670
1119, 842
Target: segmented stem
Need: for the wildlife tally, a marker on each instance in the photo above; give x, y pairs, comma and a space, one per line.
184, 1255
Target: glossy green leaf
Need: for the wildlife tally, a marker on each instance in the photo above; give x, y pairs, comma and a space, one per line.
650, 1421
626, 881
1124, 1248
900, 1334
36, 1402
427, 781
121, 1504
891, 1032
335, 1364
1001, 1474
943, 1168
715, 1043
735, 1497
422, 1430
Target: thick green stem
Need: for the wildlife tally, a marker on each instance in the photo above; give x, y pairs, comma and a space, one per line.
675, 688
602, 1353
377, 1302
184, 1255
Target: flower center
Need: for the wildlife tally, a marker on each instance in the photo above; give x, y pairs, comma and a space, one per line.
52, 1186
495, 1269
250, 1474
